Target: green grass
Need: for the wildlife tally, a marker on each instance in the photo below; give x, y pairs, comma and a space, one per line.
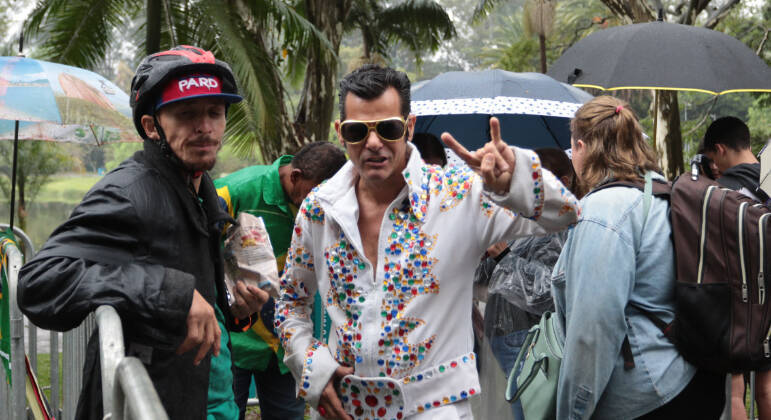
67, 188
44, 375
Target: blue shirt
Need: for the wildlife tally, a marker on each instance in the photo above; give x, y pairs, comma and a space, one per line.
612, 258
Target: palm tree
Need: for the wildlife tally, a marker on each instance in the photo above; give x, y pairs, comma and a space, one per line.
419, 25
250, 35
263, 40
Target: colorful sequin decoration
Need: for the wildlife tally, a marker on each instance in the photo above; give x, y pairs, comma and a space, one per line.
439, 370
488, 208
311, 210
370, 399
537, 175
407, 273
308, 367
457, 183
343, 267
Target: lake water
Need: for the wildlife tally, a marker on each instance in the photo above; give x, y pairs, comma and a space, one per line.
43, 218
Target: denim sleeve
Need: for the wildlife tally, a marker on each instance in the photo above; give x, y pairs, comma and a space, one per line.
599, 269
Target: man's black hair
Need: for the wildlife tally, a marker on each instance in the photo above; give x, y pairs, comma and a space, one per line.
728, 131
370, 81
429, 146
558, 163
319, 160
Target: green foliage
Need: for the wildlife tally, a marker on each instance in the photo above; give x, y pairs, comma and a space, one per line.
759, 121
115, 153
418, 25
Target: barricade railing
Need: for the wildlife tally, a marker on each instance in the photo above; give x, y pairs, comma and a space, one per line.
127, 391
124, 379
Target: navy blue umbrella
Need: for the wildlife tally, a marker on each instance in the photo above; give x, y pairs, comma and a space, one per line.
533, 108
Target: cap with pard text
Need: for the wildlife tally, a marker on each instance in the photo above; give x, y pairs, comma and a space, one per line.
193, 86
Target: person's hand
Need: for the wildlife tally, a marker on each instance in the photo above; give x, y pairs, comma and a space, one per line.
203, 331
330, 406
495, 249
249, 299
494, 162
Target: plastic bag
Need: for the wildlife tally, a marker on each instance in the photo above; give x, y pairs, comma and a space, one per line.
249, 256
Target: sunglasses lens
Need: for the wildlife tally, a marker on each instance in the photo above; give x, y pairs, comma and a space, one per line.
390, 129
353, 132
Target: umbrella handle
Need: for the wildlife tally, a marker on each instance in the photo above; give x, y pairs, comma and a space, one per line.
13, 171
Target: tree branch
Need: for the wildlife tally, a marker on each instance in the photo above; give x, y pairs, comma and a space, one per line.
718, 15
762, 42
703, 118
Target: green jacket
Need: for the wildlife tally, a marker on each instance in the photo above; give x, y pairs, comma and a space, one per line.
257, 190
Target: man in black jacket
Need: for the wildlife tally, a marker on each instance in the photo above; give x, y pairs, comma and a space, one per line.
145, 240
727, 143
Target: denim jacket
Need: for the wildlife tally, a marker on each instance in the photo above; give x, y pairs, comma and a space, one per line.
612, 258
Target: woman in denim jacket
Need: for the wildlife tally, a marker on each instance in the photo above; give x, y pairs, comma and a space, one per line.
612, 262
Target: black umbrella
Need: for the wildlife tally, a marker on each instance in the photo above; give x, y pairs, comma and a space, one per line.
533, 108
660, 55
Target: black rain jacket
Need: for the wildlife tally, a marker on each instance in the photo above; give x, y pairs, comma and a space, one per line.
140, 241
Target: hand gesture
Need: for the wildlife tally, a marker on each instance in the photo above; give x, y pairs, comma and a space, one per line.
249, 299
330, 406
494, 162
202, 329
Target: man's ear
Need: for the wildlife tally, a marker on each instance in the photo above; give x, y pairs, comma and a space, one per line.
295, 175
339, 137
410, 126
721, 149
149, 126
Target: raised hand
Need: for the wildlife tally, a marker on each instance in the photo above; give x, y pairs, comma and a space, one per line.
494, 161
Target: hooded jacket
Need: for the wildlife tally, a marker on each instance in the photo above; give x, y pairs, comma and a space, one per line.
141, 241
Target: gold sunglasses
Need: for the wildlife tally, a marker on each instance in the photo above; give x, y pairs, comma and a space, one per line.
389, 129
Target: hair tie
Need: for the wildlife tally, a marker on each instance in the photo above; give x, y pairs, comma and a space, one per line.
619, 108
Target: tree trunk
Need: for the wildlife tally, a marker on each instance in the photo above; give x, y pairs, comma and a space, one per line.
669, 141
153, 27
279, 134
542, 42
317, 100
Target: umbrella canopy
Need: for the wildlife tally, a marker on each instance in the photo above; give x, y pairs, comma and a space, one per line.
660, 55
533, 108
61, 103
48, 101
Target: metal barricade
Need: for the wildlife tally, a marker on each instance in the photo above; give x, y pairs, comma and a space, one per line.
16, 405
127, 391
124, 379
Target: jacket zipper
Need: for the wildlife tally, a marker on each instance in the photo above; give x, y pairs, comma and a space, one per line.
761, 277
702, 243
742, 208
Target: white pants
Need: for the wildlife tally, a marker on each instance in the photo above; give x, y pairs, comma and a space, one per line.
460, 410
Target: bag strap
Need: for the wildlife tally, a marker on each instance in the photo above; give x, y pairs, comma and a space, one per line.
532, 335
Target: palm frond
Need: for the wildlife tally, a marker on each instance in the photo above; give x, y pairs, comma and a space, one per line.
482, 9
78, 32
419, 24
250, 123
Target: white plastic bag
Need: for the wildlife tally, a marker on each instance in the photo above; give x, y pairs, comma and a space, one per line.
249, 256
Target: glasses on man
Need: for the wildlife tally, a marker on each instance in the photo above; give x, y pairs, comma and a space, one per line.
389, 129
